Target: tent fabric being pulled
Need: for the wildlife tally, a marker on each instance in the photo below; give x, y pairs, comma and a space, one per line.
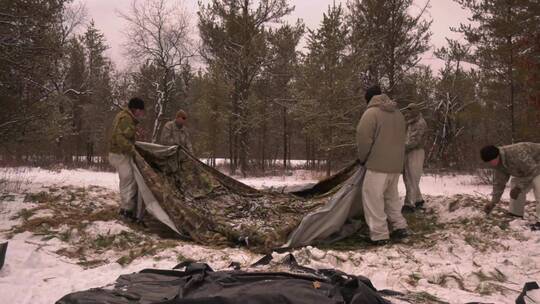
209, 207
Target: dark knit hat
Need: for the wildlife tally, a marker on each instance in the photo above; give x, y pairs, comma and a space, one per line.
181, 113
372, 91
413, 107
489, 153
136, 103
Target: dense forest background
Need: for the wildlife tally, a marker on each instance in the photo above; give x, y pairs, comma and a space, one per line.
261, 92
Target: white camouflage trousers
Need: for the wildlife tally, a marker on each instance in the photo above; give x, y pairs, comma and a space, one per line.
382, 206
412, 173
517, 206
128, 185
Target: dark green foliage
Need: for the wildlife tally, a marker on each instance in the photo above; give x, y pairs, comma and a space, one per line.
327, 107
387, 40
269, 91
235, 39
505, 39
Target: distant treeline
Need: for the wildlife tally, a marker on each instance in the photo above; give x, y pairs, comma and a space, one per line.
261, 97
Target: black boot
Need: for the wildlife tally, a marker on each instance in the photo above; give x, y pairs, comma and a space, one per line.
407, 209
378, 242
535, 226
140, 223
127, 215
515, 215
399, 234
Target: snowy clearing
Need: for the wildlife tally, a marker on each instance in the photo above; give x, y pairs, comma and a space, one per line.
64, 236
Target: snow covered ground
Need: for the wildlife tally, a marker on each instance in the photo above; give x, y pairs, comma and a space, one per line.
459, 256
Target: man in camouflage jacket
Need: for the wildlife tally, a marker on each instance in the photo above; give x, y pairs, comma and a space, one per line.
414, 157
520, 161
174, 132
121, 150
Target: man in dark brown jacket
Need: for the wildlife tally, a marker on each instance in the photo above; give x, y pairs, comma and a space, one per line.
380, 137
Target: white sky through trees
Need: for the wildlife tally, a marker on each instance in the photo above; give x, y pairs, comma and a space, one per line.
445, 13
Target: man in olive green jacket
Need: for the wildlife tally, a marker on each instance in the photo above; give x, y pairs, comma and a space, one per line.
521, 161
121, 149
175, 133
380, 137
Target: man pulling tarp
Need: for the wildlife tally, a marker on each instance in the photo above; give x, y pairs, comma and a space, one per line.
121, 151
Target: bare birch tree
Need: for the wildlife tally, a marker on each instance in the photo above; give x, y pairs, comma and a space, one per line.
158, 32
454, 94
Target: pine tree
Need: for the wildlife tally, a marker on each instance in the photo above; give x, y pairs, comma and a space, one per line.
498, 31
386, 40
94, 109
29, 45
209, 95
275, 93
234, 38
327, 107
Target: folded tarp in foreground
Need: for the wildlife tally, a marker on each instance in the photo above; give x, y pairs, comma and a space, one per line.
198, 283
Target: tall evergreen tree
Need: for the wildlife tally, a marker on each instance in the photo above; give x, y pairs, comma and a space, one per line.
234, 38
210, 111
95, 107
29, 45
499, 32
386, 40
327, 106
275, 93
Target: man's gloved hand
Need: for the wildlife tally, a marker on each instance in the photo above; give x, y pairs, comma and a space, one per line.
489, 207
360, 162
515, 192
133, 150
140, 134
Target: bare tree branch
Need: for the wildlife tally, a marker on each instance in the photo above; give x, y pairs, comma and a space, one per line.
159, 33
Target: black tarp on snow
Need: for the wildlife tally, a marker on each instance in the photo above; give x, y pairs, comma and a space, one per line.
198, 283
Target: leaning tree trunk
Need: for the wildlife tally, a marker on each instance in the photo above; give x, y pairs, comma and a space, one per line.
510, 72
285, 140
243, 129
232, 142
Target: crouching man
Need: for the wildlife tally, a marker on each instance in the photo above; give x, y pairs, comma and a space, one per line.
520, 161
121, 150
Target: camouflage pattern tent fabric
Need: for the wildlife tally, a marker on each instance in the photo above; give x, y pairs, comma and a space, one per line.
209, 207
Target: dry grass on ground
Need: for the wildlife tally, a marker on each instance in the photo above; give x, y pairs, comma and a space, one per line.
68, 214
85, 225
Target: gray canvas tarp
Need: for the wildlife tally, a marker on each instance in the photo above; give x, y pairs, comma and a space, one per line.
333, 220
209, 207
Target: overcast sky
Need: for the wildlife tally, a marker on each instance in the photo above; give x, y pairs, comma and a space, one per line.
445, 13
